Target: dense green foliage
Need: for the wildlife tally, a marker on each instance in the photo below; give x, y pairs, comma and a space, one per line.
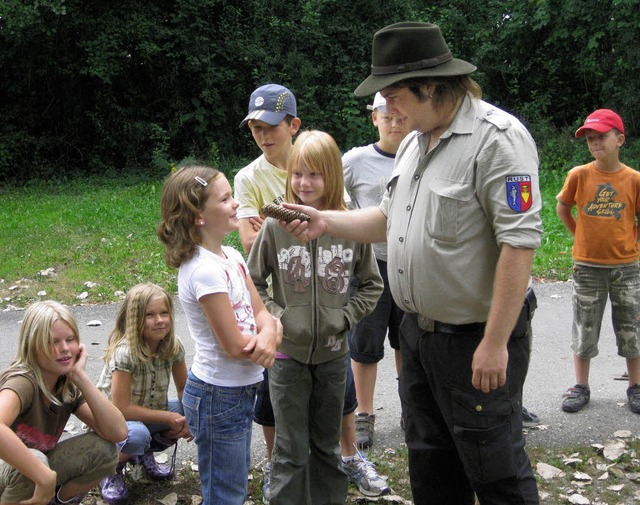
89, 87
94, 234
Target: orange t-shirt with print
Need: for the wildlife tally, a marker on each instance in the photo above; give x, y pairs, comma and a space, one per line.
607, 204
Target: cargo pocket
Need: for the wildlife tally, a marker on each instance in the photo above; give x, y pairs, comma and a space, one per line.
482, 434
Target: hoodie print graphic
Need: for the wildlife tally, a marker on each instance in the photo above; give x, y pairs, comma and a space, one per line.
295, 261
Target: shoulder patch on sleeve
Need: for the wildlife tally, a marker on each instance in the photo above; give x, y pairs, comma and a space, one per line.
519, 196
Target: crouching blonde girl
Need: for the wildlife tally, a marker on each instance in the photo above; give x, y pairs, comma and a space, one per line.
45, 384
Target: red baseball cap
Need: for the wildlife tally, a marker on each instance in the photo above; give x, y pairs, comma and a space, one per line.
601, 120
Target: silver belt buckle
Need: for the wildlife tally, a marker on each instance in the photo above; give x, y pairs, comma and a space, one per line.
425, 323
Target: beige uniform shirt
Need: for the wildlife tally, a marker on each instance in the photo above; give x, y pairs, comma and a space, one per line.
449, 210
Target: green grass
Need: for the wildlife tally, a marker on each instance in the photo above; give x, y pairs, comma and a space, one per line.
553, 258
102, 230
91, 230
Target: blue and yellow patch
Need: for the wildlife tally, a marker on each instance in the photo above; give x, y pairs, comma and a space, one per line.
519, 196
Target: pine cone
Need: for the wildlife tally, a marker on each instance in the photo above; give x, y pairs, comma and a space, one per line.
282, 214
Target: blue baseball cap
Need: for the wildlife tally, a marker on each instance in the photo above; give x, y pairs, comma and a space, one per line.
271, 103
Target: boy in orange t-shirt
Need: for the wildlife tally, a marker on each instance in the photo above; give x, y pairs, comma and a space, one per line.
606, 195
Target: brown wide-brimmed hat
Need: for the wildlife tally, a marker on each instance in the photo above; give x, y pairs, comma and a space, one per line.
407, 50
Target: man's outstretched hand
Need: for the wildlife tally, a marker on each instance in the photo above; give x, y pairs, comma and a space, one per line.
305, 231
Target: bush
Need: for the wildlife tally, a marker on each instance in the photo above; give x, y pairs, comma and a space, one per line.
94, 87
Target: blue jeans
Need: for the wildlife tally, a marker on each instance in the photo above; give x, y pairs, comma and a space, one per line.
220, 420
139, 436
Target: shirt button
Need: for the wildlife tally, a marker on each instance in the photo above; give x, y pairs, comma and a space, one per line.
401, 239
406, 301
416, 177
400, 271
478, 408
408, 207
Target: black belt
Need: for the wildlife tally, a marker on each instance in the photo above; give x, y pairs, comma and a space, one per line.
458, 329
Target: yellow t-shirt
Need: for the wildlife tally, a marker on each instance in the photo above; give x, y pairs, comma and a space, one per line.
257, 184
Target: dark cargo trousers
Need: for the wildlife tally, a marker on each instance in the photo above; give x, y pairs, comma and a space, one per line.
462, 441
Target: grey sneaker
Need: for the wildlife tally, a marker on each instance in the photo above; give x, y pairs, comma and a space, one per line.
576, 398
363, 473
364, 430
266, 483
529, 419
633, 395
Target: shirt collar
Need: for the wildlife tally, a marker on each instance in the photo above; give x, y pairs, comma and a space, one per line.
462, 124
